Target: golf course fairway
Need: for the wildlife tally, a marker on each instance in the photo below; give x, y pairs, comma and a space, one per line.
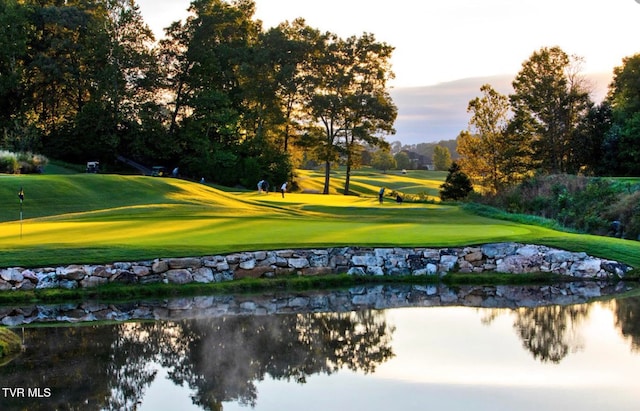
105, 218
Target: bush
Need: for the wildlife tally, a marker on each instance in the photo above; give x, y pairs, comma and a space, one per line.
21, 163
9, 163
627, 211
588, 205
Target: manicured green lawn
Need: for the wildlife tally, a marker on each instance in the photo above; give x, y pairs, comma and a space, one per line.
367, 181
103, 218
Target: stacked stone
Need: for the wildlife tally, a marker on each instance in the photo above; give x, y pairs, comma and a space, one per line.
503, 257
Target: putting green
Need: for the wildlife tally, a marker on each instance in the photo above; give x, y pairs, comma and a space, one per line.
168, 217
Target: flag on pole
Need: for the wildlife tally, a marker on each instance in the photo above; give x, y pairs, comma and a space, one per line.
21, 194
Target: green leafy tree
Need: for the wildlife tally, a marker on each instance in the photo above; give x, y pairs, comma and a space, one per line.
491, 153
457, 185
59, 73
204, 58
371, 111
402, 160
14, 38
383, 160
623, 139
290, 49
347, 97
549, 102
593, 151
441, 158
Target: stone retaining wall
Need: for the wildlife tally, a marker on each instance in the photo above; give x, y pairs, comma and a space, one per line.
500, 257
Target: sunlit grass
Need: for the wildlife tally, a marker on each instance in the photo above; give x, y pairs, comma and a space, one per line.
367, 182
115, 218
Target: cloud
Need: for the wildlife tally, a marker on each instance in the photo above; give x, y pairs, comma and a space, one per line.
439, 112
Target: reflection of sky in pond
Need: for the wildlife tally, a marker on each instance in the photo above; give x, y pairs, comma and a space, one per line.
446, 358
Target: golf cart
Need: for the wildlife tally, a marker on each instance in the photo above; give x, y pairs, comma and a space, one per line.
93, 166
158, 171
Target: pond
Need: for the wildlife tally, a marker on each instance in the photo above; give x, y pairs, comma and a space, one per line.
378, 348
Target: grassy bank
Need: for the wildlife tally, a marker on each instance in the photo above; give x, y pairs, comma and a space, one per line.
81, 218
10, 344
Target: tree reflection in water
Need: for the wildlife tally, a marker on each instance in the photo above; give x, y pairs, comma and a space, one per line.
221, 359
627, 317
550, 333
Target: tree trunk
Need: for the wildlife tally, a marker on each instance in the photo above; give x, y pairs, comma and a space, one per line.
327, 176
347, 180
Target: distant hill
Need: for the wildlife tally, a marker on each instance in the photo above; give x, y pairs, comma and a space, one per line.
439, 112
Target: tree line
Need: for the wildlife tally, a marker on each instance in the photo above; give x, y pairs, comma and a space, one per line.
550, 125
218, 96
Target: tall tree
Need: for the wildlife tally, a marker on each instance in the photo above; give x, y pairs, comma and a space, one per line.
383, 160
441, 158
290, 49
551, 98
14, 38
623, 139
348, 98
371, 111
203, 57
124, 73
57, 75
402, 160
491, 154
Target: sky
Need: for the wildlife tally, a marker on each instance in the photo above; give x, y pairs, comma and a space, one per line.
446, 40
446, 49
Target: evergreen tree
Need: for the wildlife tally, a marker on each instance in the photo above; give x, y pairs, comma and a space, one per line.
457, 185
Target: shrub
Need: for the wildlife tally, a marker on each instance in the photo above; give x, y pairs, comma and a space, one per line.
586, 204
21, 163
9, 162
457, 185
627, 211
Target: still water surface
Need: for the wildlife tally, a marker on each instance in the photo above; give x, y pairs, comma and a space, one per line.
582, 357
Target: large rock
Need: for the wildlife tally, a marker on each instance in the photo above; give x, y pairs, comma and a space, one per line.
92, 281
140, 270
587, 268
255, 272
203, 275
179, 276
102, 271
365, 260
11, 274
499, 250
448, 262
160, 266
187, 262
615, 268
5, 285
46, 281
298, 263
72, 272
312, 271
248, 265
